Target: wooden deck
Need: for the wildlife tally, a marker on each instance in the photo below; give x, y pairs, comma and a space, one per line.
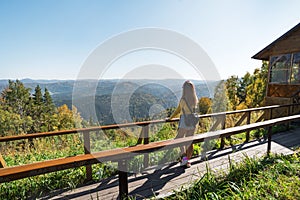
163, 180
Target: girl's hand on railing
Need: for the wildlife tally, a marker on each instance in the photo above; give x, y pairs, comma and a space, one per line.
168, 119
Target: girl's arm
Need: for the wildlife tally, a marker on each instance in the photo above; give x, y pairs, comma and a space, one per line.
176, 112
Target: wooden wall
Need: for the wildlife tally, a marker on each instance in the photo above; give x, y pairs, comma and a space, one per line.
281, 90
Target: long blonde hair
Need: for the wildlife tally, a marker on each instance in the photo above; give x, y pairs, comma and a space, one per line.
189, 94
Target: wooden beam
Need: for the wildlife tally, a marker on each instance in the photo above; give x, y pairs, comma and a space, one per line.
87, 150
269, 140
145, 130
2, 162
248, 122
117, 126
123, 179
238, 123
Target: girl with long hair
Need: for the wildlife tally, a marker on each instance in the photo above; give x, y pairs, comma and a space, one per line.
187, 105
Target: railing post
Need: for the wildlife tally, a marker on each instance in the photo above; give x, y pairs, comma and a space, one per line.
123, 179
87, 150
248, 122
288, 114
2, 162
145, 130
269, 140
223, 127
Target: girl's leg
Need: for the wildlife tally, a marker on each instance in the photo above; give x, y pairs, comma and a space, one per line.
181, 133
189, 148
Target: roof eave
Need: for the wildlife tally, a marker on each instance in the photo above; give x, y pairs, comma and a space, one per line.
263, 54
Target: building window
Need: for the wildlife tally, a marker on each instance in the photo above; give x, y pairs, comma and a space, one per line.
280, 68
295, 77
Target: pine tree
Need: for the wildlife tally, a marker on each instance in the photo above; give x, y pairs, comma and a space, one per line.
17, 101
48, 102
232, 84
37, 96
242, 89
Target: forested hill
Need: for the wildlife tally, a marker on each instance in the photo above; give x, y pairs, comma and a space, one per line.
142, 94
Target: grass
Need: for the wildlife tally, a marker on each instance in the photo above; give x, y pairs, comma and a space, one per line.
274, 177
19, 153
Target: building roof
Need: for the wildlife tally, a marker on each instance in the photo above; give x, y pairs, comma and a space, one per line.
287, 43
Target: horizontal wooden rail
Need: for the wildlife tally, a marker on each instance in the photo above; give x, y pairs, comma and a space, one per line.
117, 126
81, 130
28, 170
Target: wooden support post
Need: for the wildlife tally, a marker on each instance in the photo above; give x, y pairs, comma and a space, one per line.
271, 113
87, 150
123, 179
146, 141
241, 120
141, 138
216, 124
248, 113
2, 162
288, 114
223, 127
269, 140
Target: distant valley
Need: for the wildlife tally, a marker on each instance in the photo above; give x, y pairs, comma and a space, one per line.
111, 101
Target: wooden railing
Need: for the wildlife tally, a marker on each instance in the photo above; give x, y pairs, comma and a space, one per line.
121, 155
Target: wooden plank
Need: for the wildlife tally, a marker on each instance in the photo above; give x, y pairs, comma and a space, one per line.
33, 169
261, 118
117, 126
145, 130
248, 122
2, 162
238, 123
141, 138
123, 179
87, 150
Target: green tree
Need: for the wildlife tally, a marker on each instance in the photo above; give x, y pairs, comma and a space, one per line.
205, 105
37, 96
10, 123
68, 119
232, 84
256, 90
220, 100
37, 111
48, 102
17, 101
242, 89
49, 114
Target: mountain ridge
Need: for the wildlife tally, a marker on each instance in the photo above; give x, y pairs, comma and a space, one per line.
137, 95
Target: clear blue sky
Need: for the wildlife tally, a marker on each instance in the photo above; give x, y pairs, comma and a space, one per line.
50, 39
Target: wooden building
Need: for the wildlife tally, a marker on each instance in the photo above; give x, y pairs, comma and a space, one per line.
284, 68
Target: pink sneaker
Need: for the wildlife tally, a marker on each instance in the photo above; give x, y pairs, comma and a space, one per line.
184, 161
188, 165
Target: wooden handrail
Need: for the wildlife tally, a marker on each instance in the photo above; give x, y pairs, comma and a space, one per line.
81, 130
28, 170
117, 126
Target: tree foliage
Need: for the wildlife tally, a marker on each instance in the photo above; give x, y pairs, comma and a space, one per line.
205, 104
220, 101
24, 112
238, 93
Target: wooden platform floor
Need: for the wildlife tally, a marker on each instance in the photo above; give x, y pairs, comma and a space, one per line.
165, 179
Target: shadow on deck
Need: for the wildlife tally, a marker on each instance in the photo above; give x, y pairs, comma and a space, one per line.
163, 180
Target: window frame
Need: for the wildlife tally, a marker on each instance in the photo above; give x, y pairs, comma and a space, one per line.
289, 69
